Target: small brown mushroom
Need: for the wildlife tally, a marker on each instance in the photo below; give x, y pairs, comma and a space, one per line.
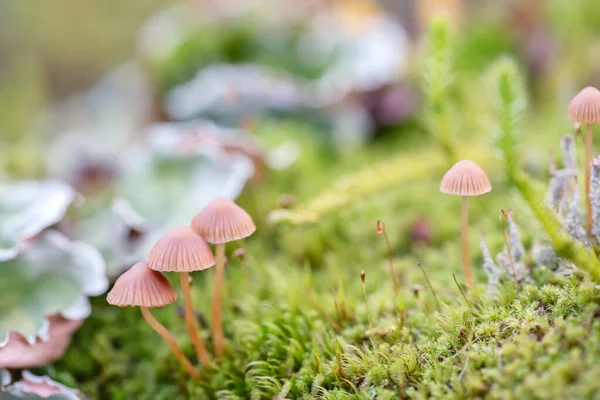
585, 109
182, 250
142, 287
465, 179
221, 221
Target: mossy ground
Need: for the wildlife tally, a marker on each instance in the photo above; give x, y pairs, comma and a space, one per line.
295, 317
296, 321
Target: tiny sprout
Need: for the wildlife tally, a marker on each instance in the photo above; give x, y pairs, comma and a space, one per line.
416, 289
363, 277
430, 287
381, 231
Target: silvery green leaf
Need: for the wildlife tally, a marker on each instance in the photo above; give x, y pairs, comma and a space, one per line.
49, 276
18, 352
93, 129
117, 232
161, 189
369, 58
79, 260
33, 387
27, 208
79, 309
169, 186
166, 182
226, 90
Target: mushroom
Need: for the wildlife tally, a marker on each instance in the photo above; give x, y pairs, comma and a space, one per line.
585, 109
182, 250
221, 221
465, 179
142, 287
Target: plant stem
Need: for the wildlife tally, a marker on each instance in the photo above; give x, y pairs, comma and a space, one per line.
461, 291
588, 174
465, 241
190, 320
216, 301
381, 226
166, 335
362, 278
430, 288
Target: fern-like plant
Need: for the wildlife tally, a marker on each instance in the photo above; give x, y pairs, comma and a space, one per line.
437, 79
509, 106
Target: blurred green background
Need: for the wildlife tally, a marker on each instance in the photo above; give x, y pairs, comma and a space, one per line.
50, 49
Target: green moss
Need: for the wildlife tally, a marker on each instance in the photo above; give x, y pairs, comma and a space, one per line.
282, 316
295, 318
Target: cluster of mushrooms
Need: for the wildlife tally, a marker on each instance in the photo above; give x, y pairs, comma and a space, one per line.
183, 250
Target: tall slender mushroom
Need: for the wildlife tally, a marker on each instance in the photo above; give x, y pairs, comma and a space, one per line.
181, 250
465, 179
141, 287
221, 221
585, 109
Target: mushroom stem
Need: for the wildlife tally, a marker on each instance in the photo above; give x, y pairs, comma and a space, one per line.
588, 174
190, 320
216, 301
166, 335
465, 241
